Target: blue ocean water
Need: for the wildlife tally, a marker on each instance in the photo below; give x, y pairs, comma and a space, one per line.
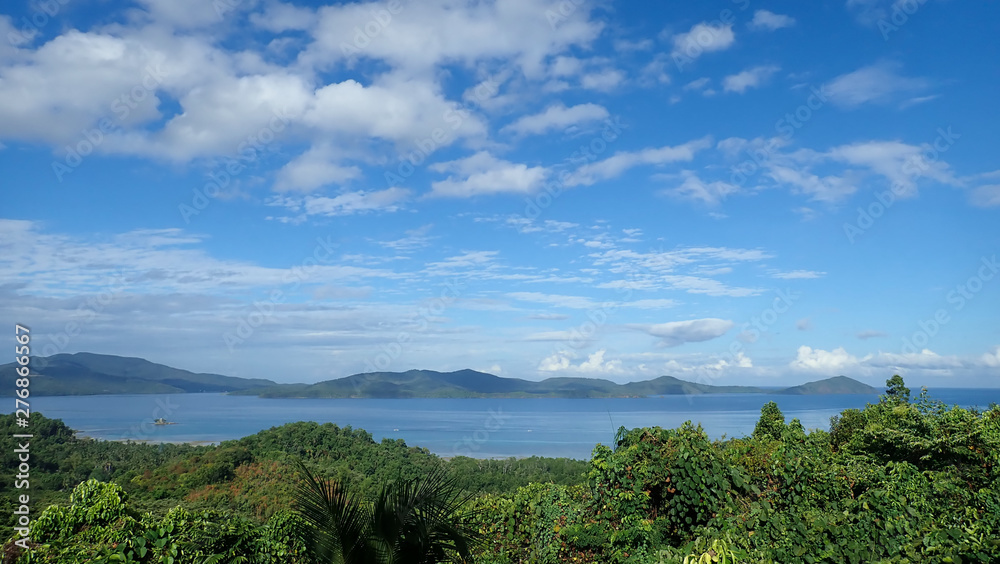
481, 428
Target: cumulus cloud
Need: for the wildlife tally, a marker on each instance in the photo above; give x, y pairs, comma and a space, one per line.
313, 169
819, 360
594, 364
483, 174
702, 38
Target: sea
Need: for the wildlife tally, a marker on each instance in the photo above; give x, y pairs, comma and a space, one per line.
479, 428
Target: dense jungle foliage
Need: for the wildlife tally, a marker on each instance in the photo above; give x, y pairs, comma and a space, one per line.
903, 480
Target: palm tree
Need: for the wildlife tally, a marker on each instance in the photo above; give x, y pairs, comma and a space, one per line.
419, 521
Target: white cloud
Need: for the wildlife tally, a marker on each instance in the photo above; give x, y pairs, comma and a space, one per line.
992, 358
348, 203
434, 32
393, 109
167, 261
830, 188
618, 163
924, 360
676, 333
878, 83
483, 174
278, 17
702, 38
555, 300
798, 275
693, 188
652, 303
557, 117
698, 84
819, 360
313, 169
660, 270
624, 45
901, 164
414, 239
604, 81
563, 66
804, 324
69, 83
769, 21
182, 13
595, 364
869, 12
987, 196
549, 316
750, 78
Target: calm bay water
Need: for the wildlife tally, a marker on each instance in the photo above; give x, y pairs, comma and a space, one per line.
480, 428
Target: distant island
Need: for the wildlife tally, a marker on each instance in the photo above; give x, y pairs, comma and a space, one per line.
87, 374
93, 374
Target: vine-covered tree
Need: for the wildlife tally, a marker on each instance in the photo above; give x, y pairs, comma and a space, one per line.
771, 424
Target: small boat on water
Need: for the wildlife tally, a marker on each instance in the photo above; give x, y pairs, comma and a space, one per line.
162, 421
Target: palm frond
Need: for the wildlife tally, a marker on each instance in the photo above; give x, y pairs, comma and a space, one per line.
339, 523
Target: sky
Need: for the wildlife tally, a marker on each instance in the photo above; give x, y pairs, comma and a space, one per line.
729, 192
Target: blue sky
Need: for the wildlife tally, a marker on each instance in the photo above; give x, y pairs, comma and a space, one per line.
729, 192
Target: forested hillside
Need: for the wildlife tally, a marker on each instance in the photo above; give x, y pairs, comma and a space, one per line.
903, 480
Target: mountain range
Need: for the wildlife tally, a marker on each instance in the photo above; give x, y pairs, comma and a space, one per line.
90, 374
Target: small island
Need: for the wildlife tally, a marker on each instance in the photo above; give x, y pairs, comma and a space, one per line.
162, 421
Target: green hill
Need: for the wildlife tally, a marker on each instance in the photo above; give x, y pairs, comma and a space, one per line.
90, 374
473, 384
835, 385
